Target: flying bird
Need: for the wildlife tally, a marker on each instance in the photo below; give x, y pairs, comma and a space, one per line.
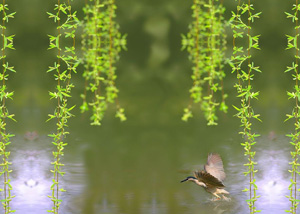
212, 177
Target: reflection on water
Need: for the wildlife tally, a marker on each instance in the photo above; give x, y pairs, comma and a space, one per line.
274, 180
154, 207
105, 207
272, 177
31, 177
139, 179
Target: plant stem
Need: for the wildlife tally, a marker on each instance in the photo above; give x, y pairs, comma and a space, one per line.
3, 104
297, 111
244, 89
249, 85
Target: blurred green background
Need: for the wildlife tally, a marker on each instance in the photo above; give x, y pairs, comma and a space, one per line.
136, 166
154, 74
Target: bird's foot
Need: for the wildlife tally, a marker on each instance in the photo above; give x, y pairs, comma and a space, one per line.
225, 198
215, 199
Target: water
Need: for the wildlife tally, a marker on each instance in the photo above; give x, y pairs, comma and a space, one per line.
31, 177
141, 173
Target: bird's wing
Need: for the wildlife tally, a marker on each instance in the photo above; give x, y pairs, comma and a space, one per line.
208, 179
214, 166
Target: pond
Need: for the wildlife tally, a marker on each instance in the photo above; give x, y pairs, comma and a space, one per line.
136, 169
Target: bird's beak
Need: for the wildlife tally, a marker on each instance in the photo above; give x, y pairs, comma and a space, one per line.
183, 180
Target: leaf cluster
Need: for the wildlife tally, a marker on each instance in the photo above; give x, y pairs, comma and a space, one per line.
66, 64
206, 45
244, 68
294, 95
102, 43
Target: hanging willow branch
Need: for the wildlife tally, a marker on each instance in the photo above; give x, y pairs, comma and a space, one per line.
64, 67
243, 65
206, 45
7, 43
102, 43
293, 44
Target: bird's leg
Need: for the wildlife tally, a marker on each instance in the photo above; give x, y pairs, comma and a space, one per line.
217, 197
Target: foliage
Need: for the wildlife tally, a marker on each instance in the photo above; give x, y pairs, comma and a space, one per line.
7, 43
243, 65
295, 95
206, 44
63, 68
102, 43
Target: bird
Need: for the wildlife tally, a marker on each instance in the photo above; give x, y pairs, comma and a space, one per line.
212, 177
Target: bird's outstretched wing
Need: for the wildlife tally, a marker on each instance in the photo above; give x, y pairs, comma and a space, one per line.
214, 166
208, 179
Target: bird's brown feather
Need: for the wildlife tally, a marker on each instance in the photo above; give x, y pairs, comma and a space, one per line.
214, 166
208, 179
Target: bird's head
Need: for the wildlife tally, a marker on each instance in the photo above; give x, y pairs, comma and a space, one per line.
189, 178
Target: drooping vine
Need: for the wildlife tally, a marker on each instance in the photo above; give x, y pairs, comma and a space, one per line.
63, 69
206, 44
243, 66
102, 43
7, 43
295, 95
